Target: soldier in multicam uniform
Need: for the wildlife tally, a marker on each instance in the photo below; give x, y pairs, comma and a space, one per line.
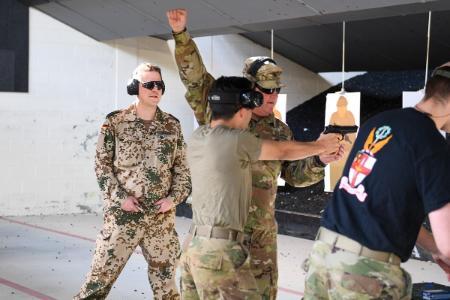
398, 172
142, 171
216, 265
261, 225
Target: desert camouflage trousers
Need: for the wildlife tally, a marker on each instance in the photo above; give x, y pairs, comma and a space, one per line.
216, 269
338, 274
156, 236
262, 246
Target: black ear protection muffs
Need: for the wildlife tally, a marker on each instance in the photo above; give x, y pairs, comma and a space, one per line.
257, 64
247, 98
133, 87
441, 72
251, 99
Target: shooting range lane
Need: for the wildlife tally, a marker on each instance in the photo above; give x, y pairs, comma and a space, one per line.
47, 257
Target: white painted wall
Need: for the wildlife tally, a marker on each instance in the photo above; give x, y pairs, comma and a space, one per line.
49, 134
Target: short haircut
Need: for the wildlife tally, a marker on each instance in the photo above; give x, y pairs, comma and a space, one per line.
228, 84
438, 86
145, 67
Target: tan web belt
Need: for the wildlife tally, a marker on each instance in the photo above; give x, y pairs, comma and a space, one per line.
214, 232
342, 242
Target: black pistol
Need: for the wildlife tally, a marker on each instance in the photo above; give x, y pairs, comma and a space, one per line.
342, 130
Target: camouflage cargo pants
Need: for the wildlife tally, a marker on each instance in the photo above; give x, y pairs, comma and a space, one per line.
156, 236
337, 274
262, 246
216, 269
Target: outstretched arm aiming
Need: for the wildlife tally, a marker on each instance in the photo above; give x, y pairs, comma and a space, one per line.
308, 171
291, 150
192, 71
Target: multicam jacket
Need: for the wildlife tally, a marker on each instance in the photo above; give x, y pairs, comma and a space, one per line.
149, 164
298, 173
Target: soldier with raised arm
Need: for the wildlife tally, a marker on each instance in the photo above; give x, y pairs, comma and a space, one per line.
264, 73
216, 265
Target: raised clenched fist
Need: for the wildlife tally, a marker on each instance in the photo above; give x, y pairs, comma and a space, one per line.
177, 19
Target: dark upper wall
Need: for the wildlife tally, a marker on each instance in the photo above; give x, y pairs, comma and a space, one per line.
13, 46
382, 35
380, 91
383, 44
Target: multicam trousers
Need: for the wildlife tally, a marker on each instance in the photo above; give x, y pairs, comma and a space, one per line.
262, 246
156, 236
338, 274
216, 269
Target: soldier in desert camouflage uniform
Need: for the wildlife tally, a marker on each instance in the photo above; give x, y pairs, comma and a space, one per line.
261, 225
141, 169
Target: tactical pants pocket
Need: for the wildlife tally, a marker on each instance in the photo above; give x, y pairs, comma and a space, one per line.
239, 256
207, 261
408, 285
101, 260
105, 235
107, 230
240, 259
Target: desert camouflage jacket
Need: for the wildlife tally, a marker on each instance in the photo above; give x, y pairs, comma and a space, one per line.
147, 163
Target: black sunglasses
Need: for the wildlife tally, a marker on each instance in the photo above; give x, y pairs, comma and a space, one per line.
150, 85
269, 91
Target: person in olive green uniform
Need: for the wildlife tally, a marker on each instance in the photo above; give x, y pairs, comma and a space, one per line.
215, 264
142, 171
261, 225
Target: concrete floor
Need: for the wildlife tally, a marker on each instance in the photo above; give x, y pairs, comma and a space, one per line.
47, 257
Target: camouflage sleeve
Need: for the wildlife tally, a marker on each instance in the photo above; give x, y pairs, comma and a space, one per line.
194, 76
303, 172
181, 178
104, 158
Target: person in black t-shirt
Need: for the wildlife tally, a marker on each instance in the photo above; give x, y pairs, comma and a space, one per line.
398, 172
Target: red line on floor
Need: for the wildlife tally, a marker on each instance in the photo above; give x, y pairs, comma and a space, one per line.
48, 229
25, 290
289, 291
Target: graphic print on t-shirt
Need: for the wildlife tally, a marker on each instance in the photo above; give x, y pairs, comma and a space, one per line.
364, 162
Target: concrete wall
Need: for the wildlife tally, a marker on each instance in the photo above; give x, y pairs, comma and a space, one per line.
49, 134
